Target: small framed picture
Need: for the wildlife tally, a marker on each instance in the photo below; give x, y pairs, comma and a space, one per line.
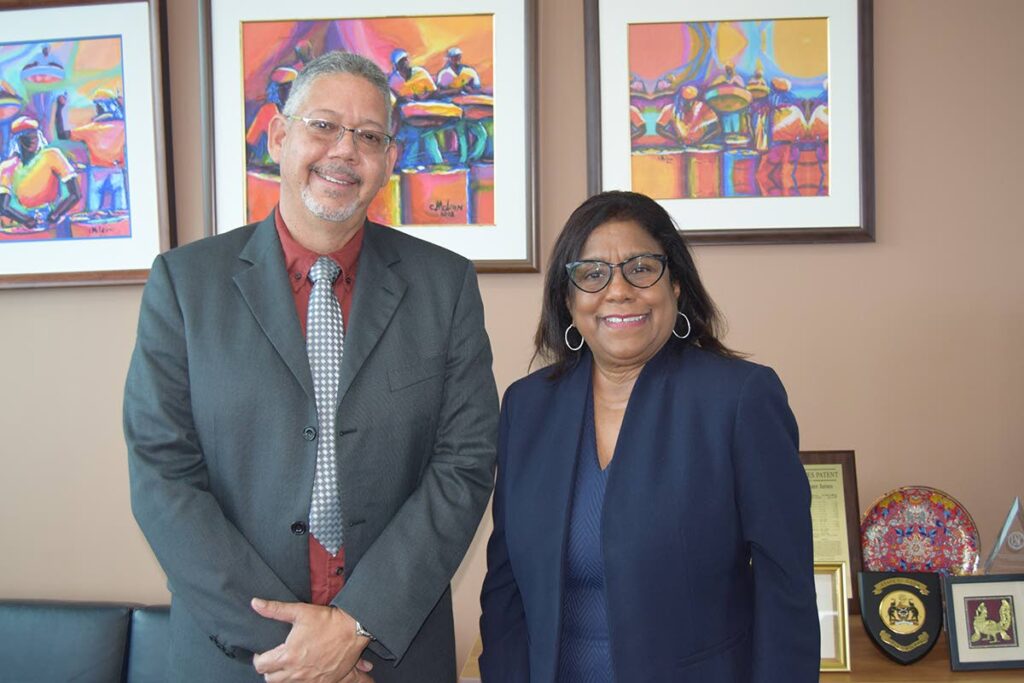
983, 617
830, 587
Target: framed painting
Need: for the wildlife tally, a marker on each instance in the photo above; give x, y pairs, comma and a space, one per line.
833, 617
835, 513
84, 196
463, 113
750, 121
984, 616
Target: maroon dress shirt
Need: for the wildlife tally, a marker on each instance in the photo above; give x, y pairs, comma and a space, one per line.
326, 573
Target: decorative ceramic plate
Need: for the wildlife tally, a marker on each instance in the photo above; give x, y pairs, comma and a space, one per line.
919, 529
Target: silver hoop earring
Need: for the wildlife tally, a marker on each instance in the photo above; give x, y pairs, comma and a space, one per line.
566, 336
688, 328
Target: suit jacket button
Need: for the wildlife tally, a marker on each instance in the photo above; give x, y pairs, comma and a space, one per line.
309, 433
299, 528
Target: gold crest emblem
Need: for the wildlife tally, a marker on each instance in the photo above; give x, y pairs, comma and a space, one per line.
902, 612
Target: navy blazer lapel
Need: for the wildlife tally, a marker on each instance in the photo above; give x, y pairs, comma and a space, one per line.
648, 420
264, 286
553, 486
378, 292
647, 411
642, 466
567, 417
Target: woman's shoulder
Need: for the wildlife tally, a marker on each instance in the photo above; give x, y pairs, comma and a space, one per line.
547, 391
537, 382
724, 372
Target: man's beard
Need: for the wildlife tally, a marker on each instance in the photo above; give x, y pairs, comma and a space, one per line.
335, 215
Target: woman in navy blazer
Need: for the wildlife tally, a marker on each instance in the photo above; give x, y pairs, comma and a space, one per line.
651, 516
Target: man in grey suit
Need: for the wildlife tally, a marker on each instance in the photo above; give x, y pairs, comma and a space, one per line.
230, 434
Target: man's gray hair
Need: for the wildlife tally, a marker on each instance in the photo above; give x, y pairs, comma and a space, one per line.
338, 62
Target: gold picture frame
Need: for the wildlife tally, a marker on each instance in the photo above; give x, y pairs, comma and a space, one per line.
833, 615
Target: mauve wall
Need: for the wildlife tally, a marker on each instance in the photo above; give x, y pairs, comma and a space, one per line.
907, 350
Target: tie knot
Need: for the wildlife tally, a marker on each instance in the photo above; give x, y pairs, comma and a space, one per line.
325, 267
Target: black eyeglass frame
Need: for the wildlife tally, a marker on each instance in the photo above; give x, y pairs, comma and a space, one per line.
660, 258
388, 139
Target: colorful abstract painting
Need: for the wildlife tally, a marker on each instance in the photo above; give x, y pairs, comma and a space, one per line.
441, 74
63, 174
730, 108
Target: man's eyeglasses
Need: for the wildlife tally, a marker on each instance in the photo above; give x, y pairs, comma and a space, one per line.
641, 271
330, 132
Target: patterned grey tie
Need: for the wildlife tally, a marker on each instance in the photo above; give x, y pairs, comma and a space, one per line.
325, 336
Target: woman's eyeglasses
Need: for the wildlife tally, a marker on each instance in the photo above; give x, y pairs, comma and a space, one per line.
641, 271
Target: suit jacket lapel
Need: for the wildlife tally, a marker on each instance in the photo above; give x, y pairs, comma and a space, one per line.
642, 466
264, 286
554, 487
378, 292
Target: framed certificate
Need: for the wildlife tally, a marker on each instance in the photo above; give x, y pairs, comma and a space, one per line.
834, 513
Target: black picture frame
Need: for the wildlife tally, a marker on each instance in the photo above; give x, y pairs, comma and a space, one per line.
964, 629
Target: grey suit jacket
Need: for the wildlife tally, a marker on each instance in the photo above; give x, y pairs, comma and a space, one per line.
220, 422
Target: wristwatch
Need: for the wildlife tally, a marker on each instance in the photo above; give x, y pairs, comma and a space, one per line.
360, 631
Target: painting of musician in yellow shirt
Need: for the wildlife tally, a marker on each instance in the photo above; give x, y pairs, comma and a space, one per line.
38, 185
64, 154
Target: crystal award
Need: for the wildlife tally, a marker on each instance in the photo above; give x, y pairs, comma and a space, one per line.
1008, 553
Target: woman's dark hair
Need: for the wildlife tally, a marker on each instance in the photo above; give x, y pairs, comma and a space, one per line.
705, 320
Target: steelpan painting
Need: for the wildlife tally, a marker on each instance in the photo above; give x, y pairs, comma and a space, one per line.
729, 108
441, 75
